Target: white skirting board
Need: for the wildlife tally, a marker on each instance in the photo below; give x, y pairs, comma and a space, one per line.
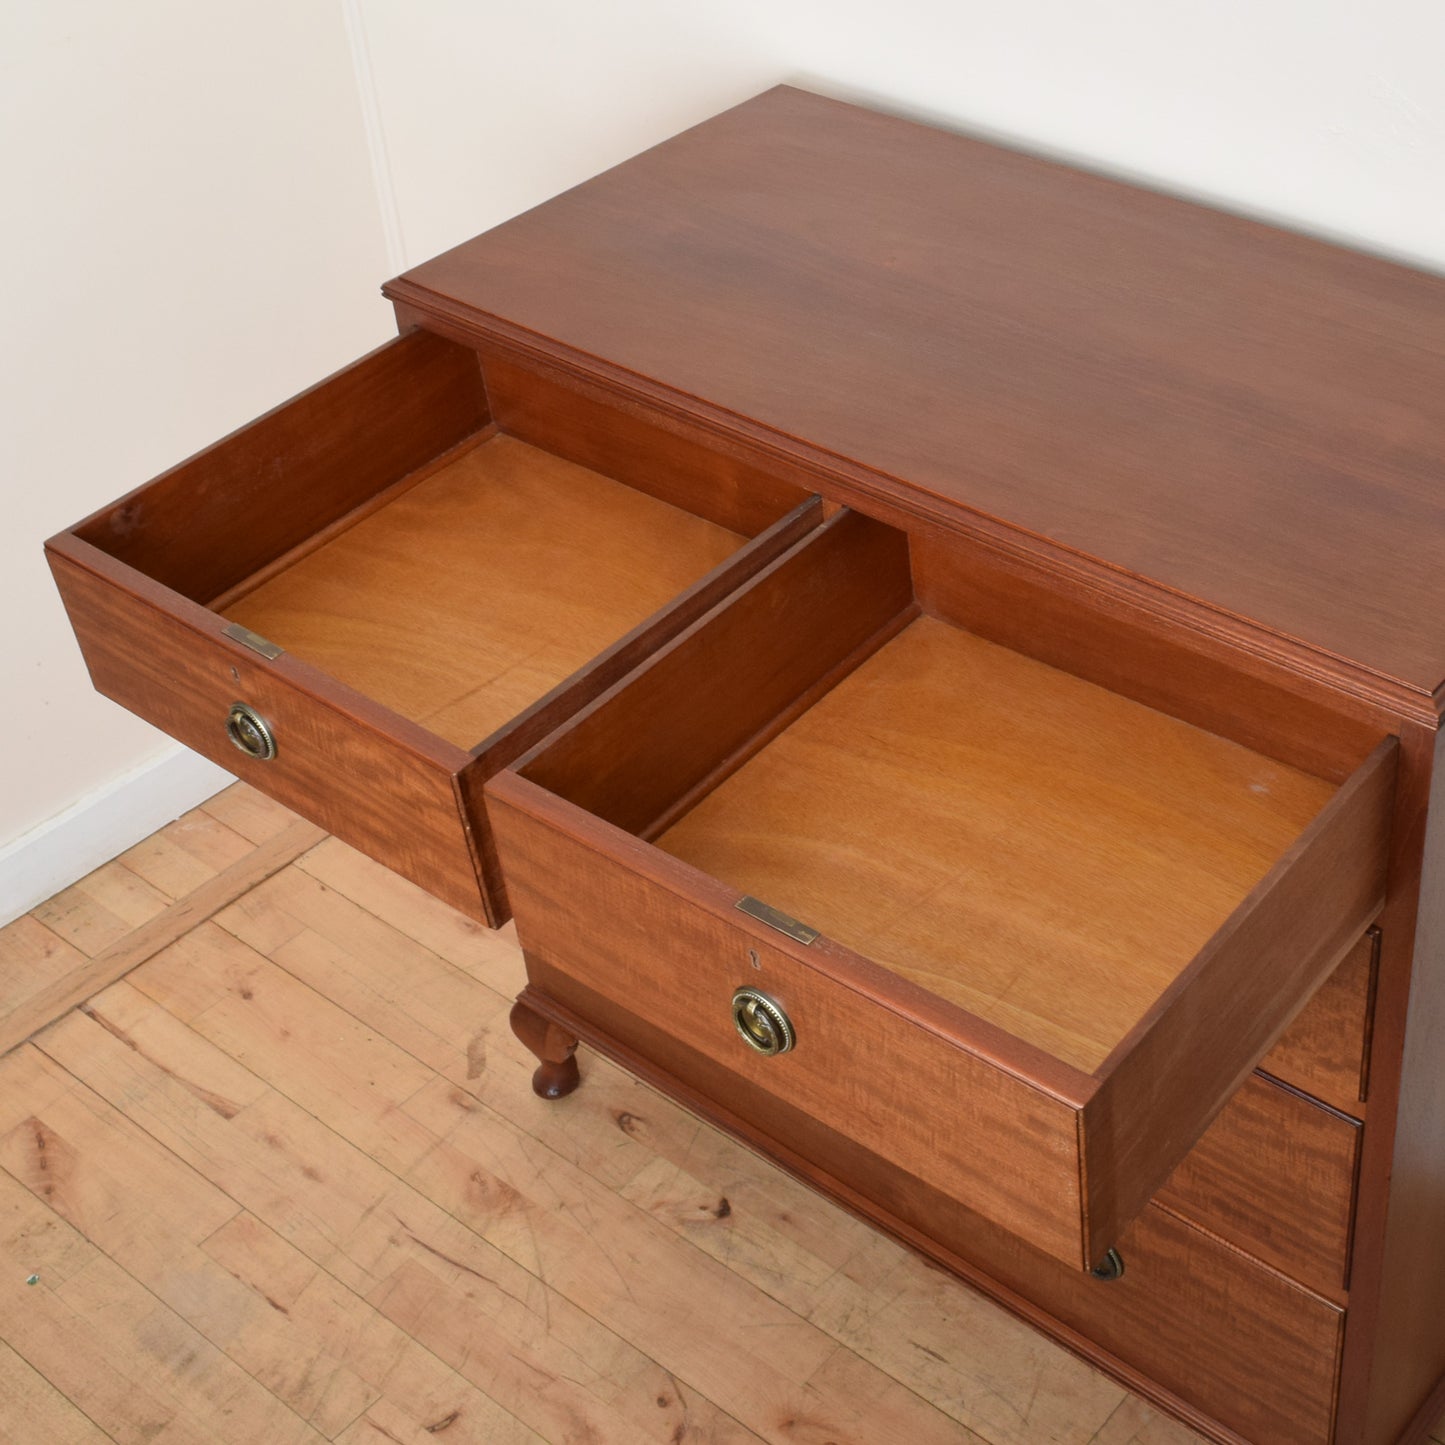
101, 825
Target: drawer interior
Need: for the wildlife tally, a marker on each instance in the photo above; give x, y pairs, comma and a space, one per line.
1033, 934
393, 530
371, 599
1036, 849
1044, 853
482, 585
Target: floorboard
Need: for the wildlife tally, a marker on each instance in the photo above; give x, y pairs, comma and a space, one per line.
269, 1154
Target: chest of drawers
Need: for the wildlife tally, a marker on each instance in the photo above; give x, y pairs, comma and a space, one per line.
940, 654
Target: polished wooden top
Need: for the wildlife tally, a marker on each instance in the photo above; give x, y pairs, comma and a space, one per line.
1239, 414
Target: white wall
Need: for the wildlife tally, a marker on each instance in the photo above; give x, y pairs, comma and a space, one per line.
191, 235
1328, 113
196, 231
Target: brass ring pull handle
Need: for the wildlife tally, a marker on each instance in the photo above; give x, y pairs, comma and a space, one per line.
250, 732
1110, 1267
761, 1022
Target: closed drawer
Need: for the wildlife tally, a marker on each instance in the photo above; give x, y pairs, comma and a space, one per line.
1225, 1335
1275, 1175
436, 566
1325, 1051
1050, 920
1238, 1342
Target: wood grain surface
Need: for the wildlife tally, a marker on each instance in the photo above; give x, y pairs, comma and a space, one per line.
660, 979
644, 448
1232, 1346
1118, 642
1258, 418
1394, 1347
1180, 454
1039, 851
1169, 1077
439, 591
1275, 1176
265, 1022
999, 843
348, 764
700, 706
1272, 1361
482, 587
1325, 1051
555, 708
191, 906
209, 523
238, 1238
889, 1058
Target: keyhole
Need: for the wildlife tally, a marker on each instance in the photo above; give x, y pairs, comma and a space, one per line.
753, 958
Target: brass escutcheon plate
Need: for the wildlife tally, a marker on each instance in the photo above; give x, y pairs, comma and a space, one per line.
764, 913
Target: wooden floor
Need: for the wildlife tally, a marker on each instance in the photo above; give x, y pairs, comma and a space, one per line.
274, 1173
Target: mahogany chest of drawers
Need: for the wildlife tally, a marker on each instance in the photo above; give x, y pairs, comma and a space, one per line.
941, 654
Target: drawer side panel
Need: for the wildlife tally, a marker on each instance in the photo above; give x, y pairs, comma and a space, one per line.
554, 709
1169, 1079
704, 702
214, 520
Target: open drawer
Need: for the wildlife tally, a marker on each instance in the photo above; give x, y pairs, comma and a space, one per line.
399, 581
1010, 932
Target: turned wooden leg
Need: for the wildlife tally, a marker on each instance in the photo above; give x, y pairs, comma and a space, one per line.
557, 1074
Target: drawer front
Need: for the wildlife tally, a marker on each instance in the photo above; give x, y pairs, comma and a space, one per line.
1228, 1336
1222, 1334
607, 942
1063, 1161
384, 787
1324, 1050
390, 787
1275, 1175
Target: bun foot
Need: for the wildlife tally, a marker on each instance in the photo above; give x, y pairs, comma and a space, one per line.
556, 1081
557, 1073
